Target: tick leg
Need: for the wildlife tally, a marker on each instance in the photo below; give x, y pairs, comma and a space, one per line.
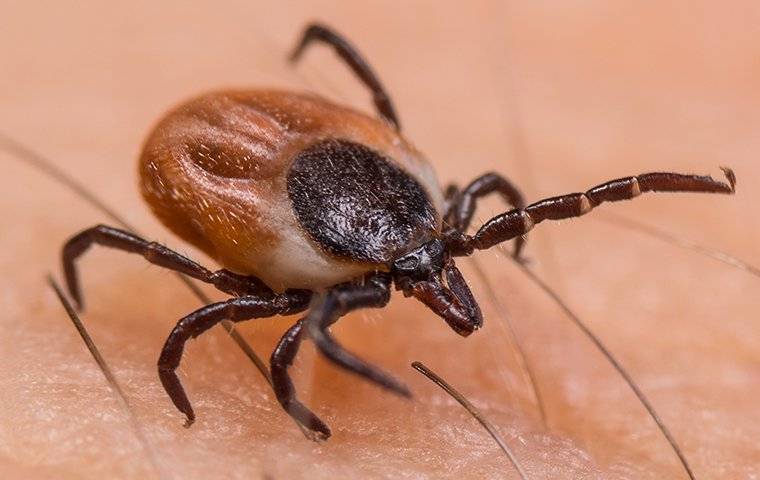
451, 198
520, 220
282, 358
338, 301
237, 310
480, 187
353, 58
156, 254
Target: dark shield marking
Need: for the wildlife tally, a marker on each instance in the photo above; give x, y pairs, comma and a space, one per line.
356, 204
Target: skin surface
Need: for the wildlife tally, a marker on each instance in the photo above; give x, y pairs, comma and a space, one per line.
558, 97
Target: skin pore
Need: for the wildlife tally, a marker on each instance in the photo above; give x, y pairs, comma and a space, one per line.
558, 98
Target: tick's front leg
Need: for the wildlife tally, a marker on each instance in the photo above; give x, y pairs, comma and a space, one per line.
482, 187
519, 221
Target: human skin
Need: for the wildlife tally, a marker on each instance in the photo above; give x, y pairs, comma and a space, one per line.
557, 97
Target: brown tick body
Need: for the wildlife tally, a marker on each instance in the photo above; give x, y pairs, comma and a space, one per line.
311, 205
216, 171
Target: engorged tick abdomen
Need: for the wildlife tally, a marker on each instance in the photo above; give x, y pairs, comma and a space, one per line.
220, 171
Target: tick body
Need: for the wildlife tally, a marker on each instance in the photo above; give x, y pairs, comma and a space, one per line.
288, 187
309, 205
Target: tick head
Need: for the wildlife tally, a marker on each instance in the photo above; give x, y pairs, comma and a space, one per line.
424, 263
429, 274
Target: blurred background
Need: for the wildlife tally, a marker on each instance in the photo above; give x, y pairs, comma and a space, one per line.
559, 96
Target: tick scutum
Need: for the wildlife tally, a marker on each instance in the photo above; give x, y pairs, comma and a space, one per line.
356, 204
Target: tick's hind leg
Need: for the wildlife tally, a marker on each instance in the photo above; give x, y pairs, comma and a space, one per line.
281, 359
354, 60
373, 292
236, 310
156, 254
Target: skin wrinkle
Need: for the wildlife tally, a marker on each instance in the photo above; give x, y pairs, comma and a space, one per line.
132, 309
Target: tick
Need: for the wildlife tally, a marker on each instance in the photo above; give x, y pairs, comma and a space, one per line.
313, 206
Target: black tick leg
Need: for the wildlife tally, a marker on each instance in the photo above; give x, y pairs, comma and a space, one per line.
282, 358
451, 198
519, 221
374, 292
353, 58
156, 254
481, 187
236, 310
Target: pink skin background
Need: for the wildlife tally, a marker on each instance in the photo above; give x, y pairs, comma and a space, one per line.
559, 96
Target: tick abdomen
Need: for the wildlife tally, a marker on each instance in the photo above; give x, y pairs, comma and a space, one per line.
215, 171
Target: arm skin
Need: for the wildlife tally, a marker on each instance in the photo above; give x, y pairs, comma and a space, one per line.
594, 103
